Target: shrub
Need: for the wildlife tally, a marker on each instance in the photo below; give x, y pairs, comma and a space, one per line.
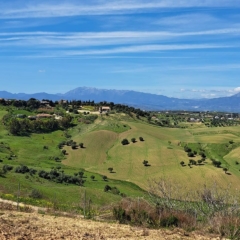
81, 145
107, 188
145, 163
141, 139
190, 154
22, 169
120, 214
104, 178
125, 142
133, 140
114, 190
187, 149
216, 163
169, 221
35, 194
182, 163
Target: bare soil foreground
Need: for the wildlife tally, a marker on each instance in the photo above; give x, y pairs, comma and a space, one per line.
27, 226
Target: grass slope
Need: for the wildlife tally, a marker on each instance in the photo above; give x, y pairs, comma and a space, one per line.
30, 151
164, 157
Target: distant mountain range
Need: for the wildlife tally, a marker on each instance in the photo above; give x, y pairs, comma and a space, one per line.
141, 100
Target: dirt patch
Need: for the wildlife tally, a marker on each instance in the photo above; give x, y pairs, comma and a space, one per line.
27, 226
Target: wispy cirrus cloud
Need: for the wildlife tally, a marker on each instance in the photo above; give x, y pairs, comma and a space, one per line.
30, 9
81, 39
210, 92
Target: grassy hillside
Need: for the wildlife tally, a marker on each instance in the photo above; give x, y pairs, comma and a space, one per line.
163, 148
30, 151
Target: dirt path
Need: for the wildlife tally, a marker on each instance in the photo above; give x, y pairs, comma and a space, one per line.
34, 208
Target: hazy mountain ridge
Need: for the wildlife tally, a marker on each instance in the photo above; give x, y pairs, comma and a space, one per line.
137, 99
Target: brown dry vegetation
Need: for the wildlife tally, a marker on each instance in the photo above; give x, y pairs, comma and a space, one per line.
22, 225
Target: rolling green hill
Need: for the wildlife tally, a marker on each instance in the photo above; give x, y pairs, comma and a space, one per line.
104, 150
163, 148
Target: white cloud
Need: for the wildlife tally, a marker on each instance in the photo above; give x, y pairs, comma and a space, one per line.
28, 9
80, 39
41, 71
237, 89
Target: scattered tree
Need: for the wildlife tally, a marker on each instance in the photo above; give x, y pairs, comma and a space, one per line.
225, 170
216, 163
182, 163
199, 161
92, 177
81, 145
141, 139
81, 173
191, 154
107, 188
145, 163
110, 169
104, 178
133, 140
125, 142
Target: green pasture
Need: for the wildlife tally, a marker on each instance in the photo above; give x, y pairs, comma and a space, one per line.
16, 150
68, 195
162, 148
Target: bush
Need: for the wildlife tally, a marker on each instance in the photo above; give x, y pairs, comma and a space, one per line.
104, 178
6, 168
107, 188
81, 145
35, 194
133, 140
191, 154
141, 139
125, 142
145, 163
169, 221
120, 214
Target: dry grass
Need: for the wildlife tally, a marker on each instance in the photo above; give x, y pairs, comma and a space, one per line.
20, 225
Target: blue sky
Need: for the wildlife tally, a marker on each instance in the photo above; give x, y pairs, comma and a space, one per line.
184, 49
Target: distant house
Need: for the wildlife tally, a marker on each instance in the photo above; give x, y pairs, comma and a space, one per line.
62, 101
45, 102
104, 109
57, 117
21, 116
44, 115
194, 120
32, 117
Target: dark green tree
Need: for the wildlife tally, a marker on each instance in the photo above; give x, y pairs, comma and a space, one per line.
125, 142
133, 140
104, 178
